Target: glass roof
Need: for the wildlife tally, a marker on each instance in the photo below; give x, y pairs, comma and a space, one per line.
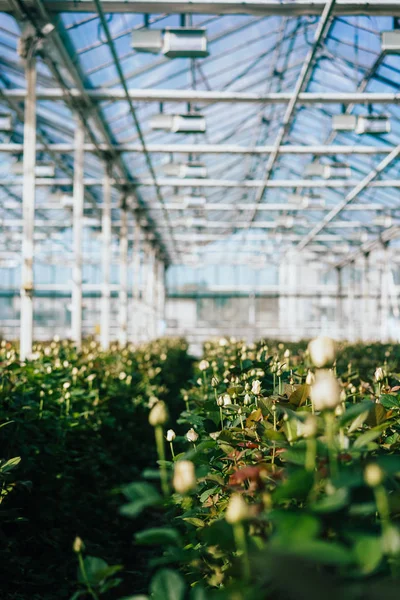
247, 54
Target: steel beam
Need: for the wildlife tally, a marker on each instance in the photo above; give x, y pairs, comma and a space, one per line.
318, 150
368, 181
385, 304
301, 82
206, 96
208, 183
262, 8
78, 199
136, 282
28, 207
106, 258
123, 278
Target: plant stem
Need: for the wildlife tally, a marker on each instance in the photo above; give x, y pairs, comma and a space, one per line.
221, 417
241, 546
311, 454
172, 449
330, 436
161, 457
85, 577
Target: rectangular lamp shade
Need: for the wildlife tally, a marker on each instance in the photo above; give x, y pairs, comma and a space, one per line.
147, 40
315, 170
344, 122
373, 124
42, 169
391, 41
5, 122
182, 170
185, 43
337, 171
188, 123
190, 201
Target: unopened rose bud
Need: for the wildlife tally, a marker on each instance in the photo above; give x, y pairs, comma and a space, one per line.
373, 475
322, 351
158, 414
256, 387
237, 510
220, 401
309, 428
310, 379
184, 479
192, 435
78, 546
214, 382
227, 400
203, 365
343, 396
247, 399
379, 374
287, 353
325, 393
171, 435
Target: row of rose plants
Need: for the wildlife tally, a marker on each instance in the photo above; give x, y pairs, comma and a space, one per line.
280, 479
73, 426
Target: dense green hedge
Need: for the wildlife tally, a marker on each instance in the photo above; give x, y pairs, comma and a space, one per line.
79, 424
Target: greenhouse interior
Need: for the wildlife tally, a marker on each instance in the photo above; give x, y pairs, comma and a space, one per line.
199, 299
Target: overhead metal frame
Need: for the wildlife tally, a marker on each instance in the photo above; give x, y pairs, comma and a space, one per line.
215, 100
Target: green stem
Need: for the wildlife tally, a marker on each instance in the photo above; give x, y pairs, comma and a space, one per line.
172, 449
311, 454
161, 457
241, 546
221, 417
85, 577
330, 436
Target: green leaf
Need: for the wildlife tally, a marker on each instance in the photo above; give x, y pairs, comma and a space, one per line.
389, 401
353, 411
167, 585
158, 535
199, 593
332, 503
295, 525
369, 436
297, 486
96, 570
142, 495
326, 553
194, 521
368, 553
10, 464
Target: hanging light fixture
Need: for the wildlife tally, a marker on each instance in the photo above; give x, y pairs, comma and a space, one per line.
181, 42
185, 170
185, 123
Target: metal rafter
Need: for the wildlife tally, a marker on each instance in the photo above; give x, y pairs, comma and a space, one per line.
114, 53
288, 8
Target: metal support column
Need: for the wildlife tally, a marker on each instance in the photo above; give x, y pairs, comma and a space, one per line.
123, 281
28, 208
365, 283
150, 291
339, 304
136, 282
385, 306
106, 256
77, 220
350, 303
161, 298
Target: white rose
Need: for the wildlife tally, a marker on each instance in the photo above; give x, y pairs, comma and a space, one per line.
158, 414
322, 351
227, 400
325, 393
237, 510
203, 365
379, 374
256, 387
184, 478
171, 435
192, 436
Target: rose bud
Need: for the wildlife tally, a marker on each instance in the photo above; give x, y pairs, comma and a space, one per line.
184, 479
158, 414
322, 351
